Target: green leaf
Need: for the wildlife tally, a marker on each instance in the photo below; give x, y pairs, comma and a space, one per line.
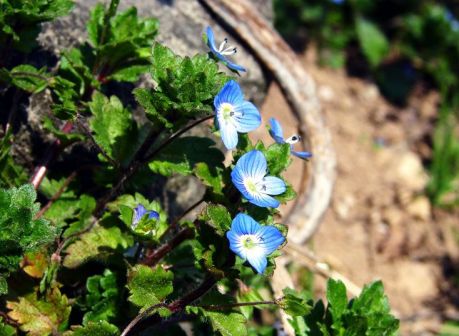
3, 286
95, 24
337, 298
277, 157
41, 317
295, 303
372, 41
5, 329
210, 176
183, 154
101, 300
218, 217
111, 124
147, 286
227, 323
94, 243
28, 78
99, 328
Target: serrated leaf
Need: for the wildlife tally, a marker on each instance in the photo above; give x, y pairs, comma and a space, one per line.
210, 176
227, 323
147, 286
111, 124
91, 244
100, 328
182, 155
277, 157
372, 41
41, 317
295, 303
337, 297
218, 217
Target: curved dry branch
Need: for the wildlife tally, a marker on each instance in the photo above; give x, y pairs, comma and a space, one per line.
300, 90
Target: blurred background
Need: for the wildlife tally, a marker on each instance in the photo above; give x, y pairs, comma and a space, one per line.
387, 76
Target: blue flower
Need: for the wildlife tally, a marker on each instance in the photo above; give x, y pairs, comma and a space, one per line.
139, 212
234, 114
278, 136
249, 177
222, 51
253, 242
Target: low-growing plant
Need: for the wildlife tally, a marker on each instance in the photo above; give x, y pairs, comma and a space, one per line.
91, 250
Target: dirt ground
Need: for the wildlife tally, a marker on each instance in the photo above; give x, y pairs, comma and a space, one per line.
380, 225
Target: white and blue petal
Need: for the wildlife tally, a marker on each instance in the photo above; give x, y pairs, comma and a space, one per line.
247, 117
219, 53
271, 238
276, 131
263, 200
302, 155
235, 244
139, 212
234, 66
257, 258
230, 93
211, 40
228, 133
273, 185
253, 164
245, 225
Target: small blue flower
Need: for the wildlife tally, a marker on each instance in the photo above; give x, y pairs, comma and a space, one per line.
253, 242
139, 212
222, 51
278, 136
234, 114
249, 177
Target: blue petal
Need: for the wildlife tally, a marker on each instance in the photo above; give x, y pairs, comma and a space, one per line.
237, 177
274, 185
258, 261
234, 66
229, 135
230, 93
302, 155
211, 40
250, 119
276, 131
252, 164
153, 215
264, 200
139, 212
235, 245
272, 238
243, 224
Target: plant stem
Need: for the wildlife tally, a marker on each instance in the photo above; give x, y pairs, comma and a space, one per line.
239, 304
175, 306
156, 255
174, 224
41, 171
58, 194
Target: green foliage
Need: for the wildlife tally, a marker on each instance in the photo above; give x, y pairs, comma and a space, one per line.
182, 156
41, 316
294, 303
96, 243
20, 231
217, 216
368, 314
5, 329
28, 78
149, 286
185, 87
101, 299
11, 174
99, 328
372, 41
19, 20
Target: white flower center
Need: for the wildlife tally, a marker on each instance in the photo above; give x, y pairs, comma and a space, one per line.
226, 51
254, 187
250, 241
293, 139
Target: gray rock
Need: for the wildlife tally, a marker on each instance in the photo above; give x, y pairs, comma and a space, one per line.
182, 23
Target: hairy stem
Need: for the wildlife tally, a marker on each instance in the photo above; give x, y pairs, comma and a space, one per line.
239, 304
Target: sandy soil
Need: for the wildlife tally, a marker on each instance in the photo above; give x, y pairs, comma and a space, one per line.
380, 225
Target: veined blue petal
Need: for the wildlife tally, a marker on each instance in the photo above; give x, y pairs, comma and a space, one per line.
250, 118
243, 224
229, 135
302, 155
253, 164
230, 93
276, 131
264, 200
153, 214
272, 238
274, 185
257, 259
211, 40
139, 212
